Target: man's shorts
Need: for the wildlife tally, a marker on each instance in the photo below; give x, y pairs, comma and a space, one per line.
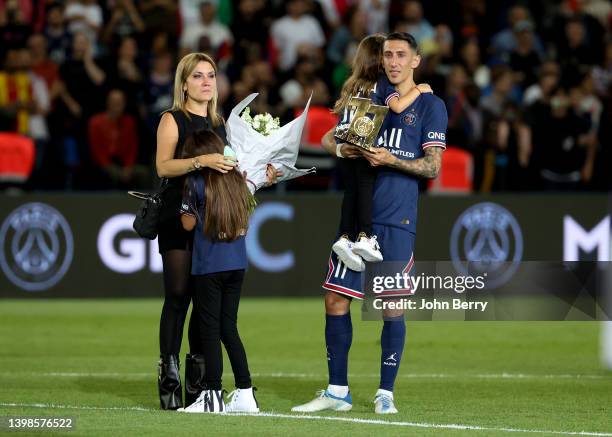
395, 244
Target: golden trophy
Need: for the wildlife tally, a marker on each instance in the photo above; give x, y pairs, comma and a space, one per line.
366, 120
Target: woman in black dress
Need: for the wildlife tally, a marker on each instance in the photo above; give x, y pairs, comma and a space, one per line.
194, 108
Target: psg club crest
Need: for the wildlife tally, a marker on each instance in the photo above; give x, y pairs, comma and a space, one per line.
366, 121
410, 118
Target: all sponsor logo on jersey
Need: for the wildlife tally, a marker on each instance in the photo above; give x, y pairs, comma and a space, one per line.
487, 238
37, 246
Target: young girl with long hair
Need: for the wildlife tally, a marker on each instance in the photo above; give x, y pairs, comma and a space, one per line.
356, 242
217, 207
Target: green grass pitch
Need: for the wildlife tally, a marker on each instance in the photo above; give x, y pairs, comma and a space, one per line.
95, 360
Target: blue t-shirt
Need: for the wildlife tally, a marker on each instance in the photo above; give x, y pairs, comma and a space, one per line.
210, 256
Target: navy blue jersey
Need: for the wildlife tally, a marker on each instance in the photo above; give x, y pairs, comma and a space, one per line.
406, 135
210, 256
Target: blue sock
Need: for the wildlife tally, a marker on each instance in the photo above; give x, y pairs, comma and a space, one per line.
338, 338
392, 345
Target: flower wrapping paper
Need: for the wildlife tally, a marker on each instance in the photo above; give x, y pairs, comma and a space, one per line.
254, 150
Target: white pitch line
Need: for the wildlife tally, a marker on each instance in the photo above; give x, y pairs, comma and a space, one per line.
323, 376
332, 418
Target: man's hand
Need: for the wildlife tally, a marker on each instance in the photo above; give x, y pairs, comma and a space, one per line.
348, 151
378, 156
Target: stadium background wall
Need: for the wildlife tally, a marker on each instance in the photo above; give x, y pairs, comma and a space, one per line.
288, 241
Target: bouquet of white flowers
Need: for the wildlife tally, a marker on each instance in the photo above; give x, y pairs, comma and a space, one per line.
261, 141
265, 124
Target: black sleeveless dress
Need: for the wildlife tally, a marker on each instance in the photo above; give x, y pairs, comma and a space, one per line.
171, 233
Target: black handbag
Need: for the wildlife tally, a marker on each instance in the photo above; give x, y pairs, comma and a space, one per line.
146, 223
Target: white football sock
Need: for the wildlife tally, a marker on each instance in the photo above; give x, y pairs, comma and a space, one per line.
340, 391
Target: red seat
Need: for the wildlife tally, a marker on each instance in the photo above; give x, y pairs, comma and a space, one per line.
17, 154
456, 174
319, 120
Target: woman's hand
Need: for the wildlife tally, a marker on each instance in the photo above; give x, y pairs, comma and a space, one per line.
217, 161
272, 174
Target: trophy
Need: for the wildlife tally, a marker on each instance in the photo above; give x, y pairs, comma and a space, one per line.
366, 120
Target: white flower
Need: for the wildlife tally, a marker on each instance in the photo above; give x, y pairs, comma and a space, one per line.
265, 124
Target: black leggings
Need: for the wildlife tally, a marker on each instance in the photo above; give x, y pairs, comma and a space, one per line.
178, 289
217, 296
358, 176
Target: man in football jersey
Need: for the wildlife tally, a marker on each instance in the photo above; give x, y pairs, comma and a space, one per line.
411, 145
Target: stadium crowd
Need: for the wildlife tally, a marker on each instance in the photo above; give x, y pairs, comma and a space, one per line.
527, 84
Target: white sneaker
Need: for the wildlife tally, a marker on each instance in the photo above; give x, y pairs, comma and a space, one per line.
209, 401
367, 248
344, 249
383, 404
242, 401
325, 401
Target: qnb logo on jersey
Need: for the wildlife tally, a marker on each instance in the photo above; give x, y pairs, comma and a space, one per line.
487, 238
37, 247
436, 136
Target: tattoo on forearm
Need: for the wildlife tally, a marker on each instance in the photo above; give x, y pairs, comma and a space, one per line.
426, 167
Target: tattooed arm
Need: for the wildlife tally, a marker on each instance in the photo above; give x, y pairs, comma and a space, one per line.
427, 167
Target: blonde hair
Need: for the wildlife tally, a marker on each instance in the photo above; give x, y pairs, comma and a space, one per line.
184, 68
367, 65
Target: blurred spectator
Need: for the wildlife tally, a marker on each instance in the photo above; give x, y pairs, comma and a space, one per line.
412, 21
14, 30
472, 63
82, 76
506, 40
575, 52
524, 58
25, 8
58, 37
502, 81
17, 100
377, 12
159, 16
41, 64
250, 28
345, 39
209, 35
114, 145
294, 30
85, 16
585, 102
566, 147
125, 20
125, 74
602, 73
464, 118
295, 92
257, 77
158, 90
548, 80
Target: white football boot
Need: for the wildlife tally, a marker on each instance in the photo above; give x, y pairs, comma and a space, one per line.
367, 248
344, 249
326, 401
242, 400
383, 404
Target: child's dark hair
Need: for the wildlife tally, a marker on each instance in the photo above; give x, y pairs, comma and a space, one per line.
228, 200
366, 67
404, 36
